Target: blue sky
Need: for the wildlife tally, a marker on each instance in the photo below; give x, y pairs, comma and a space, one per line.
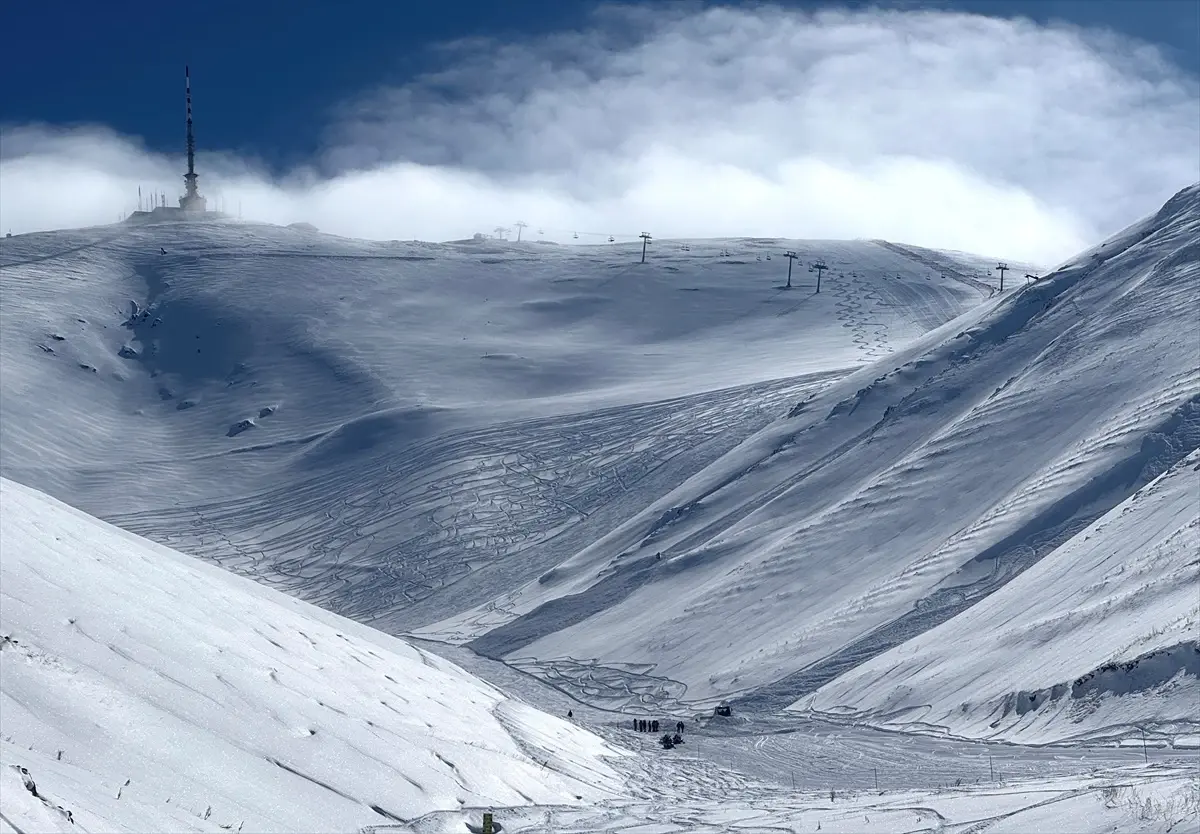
267, 73
913, 122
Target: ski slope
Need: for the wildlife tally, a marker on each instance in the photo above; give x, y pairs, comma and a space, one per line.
146, 690
394, 430
893, 501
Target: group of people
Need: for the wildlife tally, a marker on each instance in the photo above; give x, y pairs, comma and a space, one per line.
651, 725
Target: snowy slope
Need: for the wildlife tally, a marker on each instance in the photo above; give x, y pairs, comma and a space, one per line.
250, 335
145, 690
1100, 634
893, 500
395, 430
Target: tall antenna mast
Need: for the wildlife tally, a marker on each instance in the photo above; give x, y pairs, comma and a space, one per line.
191, 199
191, 139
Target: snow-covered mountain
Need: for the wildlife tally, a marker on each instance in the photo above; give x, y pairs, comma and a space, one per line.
894, 500
670, 483
144, 690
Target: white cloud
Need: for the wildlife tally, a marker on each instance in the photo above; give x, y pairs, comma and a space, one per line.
943, 129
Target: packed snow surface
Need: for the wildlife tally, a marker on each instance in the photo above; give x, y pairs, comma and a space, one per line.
1147, 800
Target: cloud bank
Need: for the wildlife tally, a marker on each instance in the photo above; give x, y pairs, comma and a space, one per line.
941, 129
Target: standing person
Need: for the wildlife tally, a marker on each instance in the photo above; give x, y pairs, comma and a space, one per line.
635, 725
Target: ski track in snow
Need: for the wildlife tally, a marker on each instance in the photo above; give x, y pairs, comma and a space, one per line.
405, 526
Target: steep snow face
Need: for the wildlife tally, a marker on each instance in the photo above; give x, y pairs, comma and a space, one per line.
146, 690
1098, 638
893, 500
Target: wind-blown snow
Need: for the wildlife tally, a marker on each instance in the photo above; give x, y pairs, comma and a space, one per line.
252, 336
206, 700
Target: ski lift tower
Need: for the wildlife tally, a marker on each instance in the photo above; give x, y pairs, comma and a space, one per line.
645, 236
820, 267
791, 256
1001, 268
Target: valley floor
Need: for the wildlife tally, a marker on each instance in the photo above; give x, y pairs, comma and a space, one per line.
776, 773
1147, 799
